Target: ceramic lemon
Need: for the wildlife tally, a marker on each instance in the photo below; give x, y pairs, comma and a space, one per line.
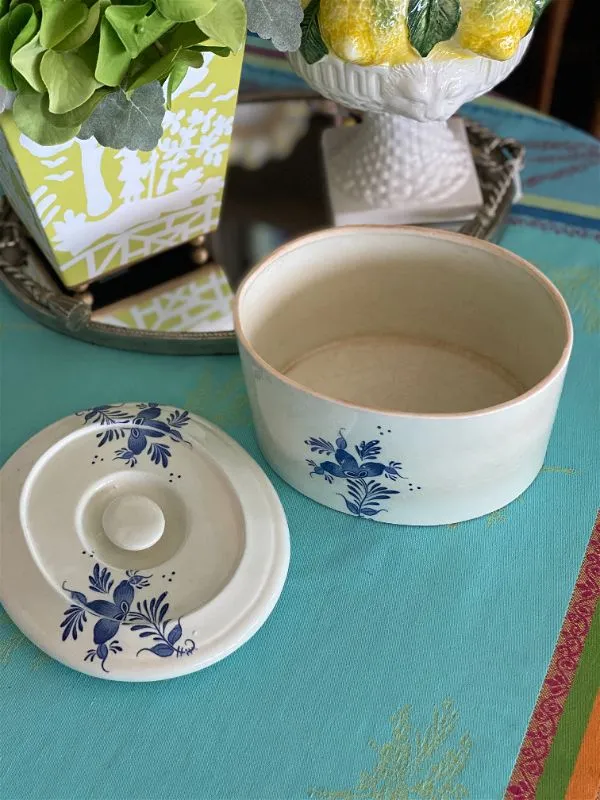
367, 32
494, 28
397, 32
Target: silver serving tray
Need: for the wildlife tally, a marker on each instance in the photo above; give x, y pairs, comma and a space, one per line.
32, 284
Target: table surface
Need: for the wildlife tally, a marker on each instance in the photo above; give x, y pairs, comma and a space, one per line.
398, 659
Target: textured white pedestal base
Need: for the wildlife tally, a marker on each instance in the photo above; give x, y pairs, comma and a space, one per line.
347, 209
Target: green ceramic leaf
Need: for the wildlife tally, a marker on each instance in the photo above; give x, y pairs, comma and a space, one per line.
16, 29
26, 61
176, 77
226, 24
185, 10
134, 123
3, 7
313, 48
136, 28
184, 35
83, 32
30, 119
157, 71
79, 115
113, 59
538, 9
431, 22
59, 18
69, 81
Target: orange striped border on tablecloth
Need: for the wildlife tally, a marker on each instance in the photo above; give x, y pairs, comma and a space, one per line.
585, 780
536, 746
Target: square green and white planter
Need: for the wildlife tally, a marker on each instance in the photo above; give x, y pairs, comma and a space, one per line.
93, 210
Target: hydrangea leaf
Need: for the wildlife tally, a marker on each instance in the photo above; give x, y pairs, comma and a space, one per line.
26, 61
31, 120
59, 19
176, 78
278, 20
80, 35
16, 29
69, 80
431, 22
26, 20
185, 10
222, 52
113, 58
157, 71
226, 24
132, 122
192, 58
135, 27
185, 35
79, 115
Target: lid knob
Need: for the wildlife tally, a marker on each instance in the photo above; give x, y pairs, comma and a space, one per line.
133, 522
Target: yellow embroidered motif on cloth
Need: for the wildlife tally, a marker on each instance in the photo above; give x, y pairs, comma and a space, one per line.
581, 288
413, 764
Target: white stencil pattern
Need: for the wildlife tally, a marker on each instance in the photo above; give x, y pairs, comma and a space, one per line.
202, 304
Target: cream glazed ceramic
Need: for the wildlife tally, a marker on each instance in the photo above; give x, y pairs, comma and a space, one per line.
138, 542
404, 163
408, 376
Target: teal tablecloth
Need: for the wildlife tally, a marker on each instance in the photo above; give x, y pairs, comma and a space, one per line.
432, 643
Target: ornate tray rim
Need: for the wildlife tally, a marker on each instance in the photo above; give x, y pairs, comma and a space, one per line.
498, 162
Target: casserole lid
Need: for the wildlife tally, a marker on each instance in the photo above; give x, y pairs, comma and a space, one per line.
139, 542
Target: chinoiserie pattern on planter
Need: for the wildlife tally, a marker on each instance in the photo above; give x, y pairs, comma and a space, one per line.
93, 209
141, 428
147, 619
365, 495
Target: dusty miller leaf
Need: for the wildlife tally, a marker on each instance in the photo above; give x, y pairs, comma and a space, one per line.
313, 48
278, 20
134, 123
431, 22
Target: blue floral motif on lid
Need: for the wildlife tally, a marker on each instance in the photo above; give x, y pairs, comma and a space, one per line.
141, 429
365, 495
148, 618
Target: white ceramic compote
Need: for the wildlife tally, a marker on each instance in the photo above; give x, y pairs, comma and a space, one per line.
405, 162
